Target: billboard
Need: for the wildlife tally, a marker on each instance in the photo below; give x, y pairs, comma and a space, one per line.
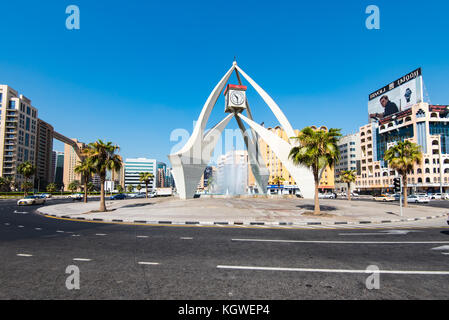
398, 96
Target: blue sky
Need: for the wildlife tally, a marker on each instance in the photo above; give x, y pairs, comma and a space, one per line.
137, 70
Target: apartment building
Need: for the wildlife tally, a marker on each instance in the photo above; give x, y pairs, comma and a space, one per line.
133, 168
71, 160
44, 154
424, 124
18, 130
277, 169
349, 147
59, 168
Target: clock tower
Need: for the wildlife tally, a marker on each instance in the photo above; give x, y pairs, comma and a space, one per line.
235, 98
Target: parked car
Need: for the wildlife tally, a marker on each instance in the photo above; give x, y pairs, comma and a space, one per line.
45, 195
384, 198
75, 196
326, 196
435, 196
30, 200
414, 198
396, 196
120, 196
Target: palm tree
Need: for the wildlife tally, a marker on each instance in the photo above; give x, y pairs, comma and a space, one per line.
6, 183
348, 176
403, 157
27, 170
146, 177
26, 185
119, 188
210, 183
130, 188
90, 186
103, 158
139, 187
73, 186
278, 181
317, 149
86, 170
52, 187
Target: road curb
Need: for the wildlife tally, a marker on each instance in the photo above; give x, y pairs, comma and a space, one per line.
239, 223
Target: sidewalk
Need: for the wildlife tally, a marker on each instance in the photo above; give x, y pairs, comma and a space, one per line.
235, 211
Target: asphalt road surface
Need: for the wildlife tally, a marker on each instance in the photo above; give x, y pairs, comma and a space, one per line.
145, 262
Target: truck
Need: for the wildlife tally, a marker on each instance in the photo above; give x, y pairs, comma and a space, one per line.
163, 192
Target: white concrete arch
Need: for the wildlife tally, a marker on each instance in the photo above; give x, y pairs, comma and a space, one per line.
190, 162
302, 175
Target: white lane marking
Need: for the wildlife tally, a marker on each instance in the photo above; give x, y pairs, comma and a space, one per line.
15, 211
100, 234
441, 248
341, 242
20, 226
141, 236
7, 224
148, 263
38, 229
59, 231
75, 235
333, 270
24, 255
186, 238
82, 259
380, 233
445, 253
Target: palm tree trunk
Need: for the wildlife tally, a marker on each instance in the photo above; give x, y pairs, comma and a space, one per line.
146, 190
85, 190
349, 191
317, 201
404, 182
102, 197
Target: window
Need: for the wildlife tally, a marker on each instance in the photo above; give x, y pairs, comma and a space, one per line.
27, 125
28, 110
12, 104
27, 141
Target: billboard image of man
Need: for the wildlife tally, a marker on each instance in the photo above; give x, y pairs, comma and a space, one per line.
389, 108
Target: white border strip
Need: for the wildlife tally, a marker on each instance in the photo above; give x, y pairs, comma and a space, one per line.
334, 270
341, 242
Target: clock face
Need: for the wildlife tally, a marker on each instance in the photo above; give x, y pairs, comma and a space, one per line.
237, 97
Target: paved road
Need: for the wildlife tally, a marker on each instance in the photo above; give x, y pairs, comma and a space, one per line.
144, 262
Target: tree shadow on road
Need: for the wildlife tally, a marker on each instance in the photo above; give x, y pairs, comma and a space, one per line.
136, 205
445, 232
312, 207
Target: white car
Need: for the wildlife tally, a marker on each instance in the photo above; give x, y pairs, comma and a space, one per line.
435, 196
439, 196
30, 200
76, 196
326, 196
415, 198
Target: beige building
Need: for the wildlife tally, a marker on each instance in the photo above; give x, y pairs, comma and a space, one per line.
18, 129
277, 169
424, 124
71, 160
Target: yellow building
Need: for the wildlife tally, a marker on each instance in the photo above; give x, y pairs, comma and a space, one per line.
277, 169
71, 160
